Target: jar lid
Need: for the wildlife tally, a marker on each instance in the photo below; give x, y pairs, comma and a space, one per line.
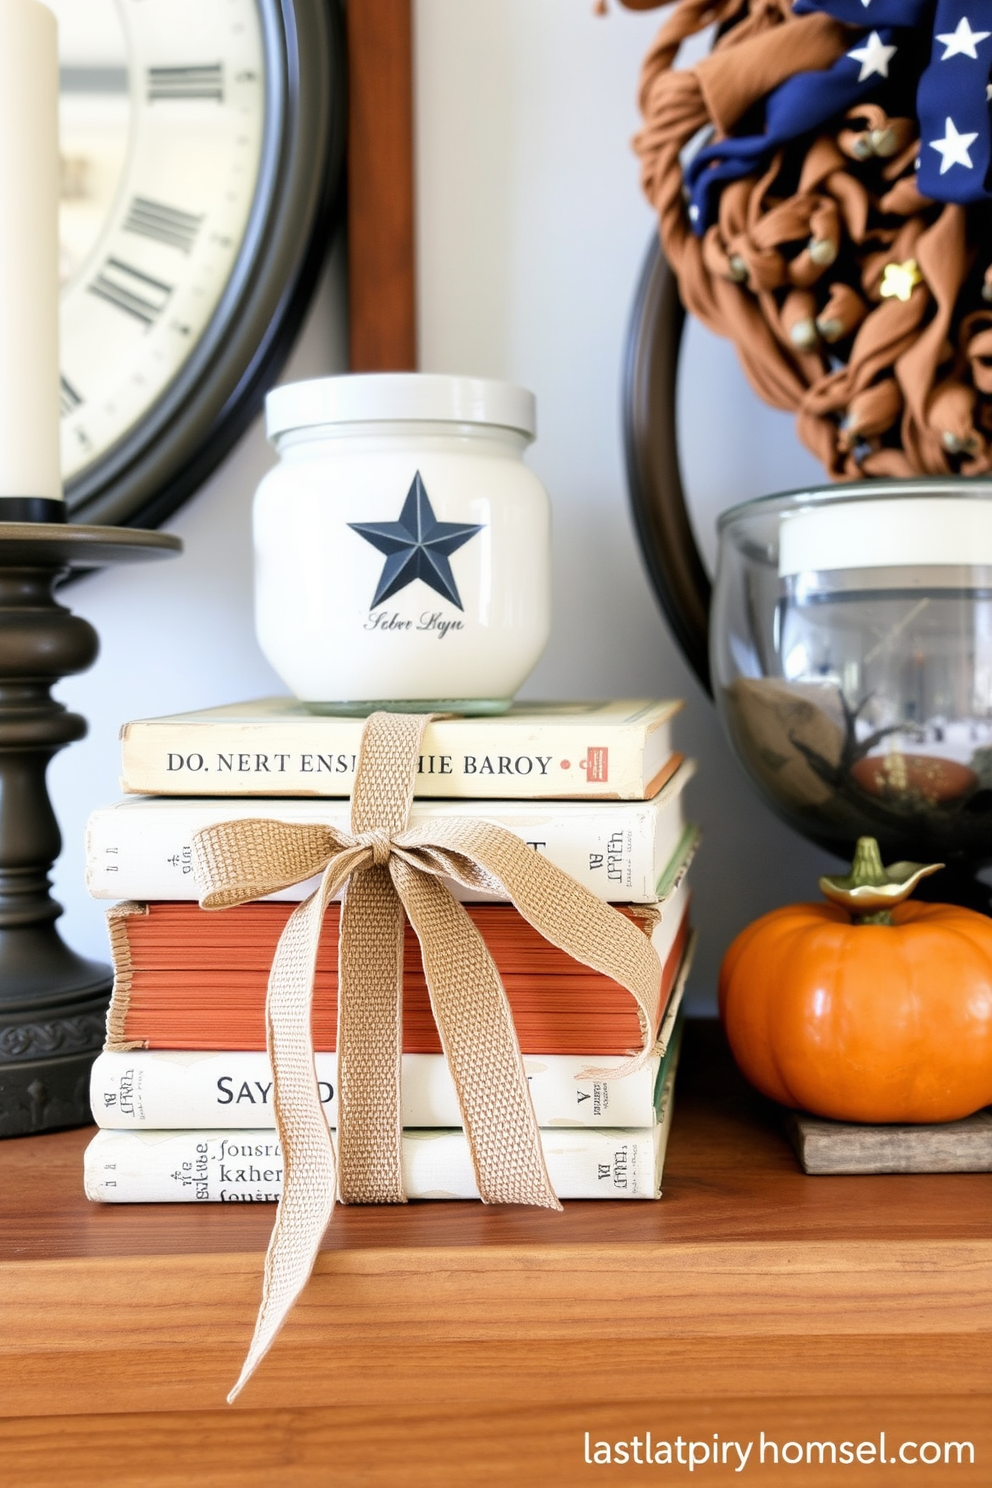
367, 397
890, 532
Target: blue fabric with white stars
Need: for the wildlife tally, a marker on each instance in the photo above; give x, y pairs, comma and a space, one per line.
952, 99
953, 105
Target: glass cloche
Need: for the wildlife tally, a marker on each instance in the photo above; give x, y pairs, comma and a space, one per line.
851, 654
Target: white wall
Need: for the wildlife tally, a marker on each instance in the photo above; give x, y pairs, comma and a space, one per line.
531, 235
177, 634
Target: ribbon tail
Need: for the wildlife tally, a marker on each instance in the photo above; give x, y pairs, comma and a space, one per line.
370, 978
309, 1173
480, 1043
370, 1041
477, 854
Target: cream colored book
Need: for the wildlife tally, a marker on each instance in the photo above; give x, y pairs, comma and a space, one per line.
239, 1167
141, 847
273, 747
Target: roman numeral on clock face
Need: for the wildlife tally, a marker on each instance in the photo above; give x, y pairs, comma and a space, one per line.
69, 399
168, 83
165, 224
132, 291
165, 110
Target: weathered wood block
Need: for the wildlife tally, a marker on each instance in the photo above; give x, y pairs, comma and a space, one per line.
846, 1147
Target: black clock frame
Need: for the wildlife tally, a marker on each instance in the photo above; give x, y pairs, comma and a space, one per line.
184, 436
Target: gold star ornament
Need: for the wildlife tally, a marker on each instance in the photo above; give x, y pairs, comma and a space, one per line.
900, 279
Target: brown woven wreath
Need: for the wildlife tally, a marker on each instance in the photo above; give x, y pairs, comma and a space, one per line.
852, 299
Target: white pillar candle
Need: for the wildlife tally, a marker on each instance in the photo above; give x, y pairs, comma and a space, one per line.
29, 271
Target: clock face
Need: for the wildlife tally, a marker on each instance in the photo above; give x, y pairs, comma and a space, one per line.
190, 222
162, 109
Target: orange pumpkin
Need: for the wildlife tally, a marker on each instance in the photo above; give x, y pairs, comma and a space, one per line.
885, 1016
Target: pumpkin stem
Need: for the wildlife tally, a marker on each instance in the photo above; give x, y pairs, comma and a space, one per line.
870, 891
867, 866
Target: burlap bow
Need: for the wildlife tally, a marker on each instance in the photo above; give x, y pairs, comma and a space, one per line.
390, 868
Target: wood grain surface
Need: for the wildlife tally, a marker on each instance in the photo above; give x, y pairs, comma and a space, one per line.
393, 1445
751, 1297
381, 287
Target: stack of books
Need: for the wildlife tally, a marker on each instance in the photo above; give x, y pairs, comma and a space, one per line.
183, 1090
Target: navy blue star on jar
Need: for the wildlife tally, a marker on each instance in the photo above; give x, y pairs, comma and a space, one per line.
418, 546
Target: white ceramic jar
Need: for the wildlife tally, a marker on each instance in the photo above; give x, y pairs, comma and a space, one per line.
402, 547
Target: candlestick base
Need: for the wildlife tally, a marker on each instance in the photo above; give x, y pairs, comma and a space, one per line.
32, 509
52, 1001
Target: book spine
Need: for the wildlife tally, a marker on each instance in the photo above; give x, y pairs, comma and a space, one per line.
224, 1167
297, 757
151, 1089
143, 851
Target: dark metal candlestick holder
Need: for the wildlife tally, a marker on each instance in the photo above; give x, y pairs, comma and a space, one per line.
52, 1002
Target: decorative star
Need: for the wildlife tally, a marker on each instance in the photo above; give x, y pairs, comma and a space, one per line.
418, 546
962, 41
900, 279
874, 57
953, 148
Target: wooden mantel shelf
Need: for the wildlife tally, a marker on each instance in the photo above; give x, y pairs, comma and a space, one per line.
454, 1344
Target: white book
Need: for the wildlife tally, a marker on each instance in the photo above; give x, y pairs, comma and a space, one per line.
140, 848
226, 1167
274, 746
165, 1089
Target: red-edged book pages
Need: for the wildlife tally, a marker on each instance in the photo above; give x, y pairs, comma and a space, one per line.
188, 978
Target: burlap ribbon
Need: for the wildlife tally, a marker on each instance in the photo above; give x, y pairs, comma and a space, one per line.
389, 868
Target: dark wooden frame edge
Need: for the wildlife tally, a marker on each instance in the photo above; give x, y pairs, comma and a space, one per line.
654, 476
381, 194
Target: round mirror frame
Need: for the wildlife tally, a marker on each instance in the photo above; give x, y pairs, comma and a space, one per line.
654, 477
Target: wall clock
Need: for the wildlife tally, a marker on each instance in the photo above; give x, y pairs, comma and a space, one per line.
201, 147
